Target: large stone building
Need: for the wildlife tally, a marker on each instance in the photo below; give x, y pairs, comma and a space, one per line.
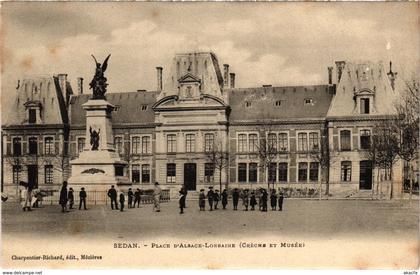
166, 135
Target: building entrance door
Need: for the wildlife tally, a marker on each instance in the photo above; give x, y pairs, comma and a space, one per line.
365, 181
190, 176
33, 176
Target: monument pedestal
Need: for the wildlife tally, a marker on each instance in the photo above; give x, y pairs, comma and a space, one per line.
98, 166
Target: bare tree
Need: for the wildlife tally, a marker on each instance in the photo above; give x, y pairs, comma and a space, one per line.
384, 147
408, 127
218, 157
321, 153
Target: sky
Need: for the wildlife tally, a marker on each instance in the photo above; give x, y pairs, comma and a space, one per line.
264, 43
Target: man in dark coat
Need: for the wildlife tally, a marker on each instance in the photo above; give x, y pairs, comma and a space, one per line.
216, 199
253, 201
71, 198
182, 196
224, 199
130, 198
137, 198
235, 198
112, 194
273, 200
63, 197
264, 199
122, 200
202, 200
281, 201
82, 198
210, 197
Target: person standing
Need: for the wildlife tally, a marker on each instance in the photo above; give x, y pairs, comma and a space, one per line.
216, 199
26, 196
112, 194
82, 198
130, 198
202, 200
71, 198
181, 200
264, 199
210, 197
235, 198
63, 197
245, 199
137, 198
224, 199
253, 201
122, 200
156, 197
281, 201
273, 199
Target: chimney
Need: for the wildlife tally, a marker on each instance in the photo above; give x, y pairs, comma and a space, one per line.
232, 80
392, 76
226, 75
159, 78
340, 67
80, 85
330, 72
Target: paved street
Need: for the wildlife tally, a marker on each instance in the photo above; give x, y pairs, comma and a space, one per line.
301, 218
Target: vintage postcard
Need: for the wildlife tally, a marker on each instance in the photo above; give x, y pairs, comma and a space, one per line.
211, 135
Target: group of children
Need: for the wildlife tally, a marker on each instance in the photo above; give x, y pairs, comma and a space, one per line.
249, 198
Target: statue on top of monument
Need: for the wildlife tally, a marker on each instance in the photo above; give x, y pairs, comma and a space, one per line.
98, 83
94, 139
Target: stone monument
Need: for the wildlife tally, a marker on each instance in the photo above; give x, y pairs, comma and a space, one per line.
98, 165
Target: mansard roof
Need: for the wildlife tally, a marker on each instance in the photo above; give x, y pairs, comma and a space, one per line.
279, 103
131, 108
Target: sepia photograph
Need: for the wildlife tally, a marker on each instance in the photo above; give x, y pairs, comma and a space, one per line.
210, 135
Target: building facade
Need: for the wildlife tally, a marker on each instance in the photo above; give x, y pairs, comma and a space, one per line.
265, 135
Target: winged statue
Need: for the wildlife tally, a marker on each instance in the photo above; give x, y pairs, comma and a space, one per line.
98, 83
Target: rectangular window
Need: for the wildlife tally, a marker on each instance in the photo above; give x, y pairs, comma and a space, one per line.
253, 172
118, 141
313, 171
119, 170
272, 141
171, 172
145, 173
32, 116
208, 172
303, 171
190, 143
272, 172
135, 145
208, 142
253, 143
345, 140
16, 173
49, 174
33, 146
49, 146
241, 172
313, 141
302, 142
346, 171
283, 171
145, 145
242, 144
17, 146
171, 143
364, 106
81, 144
135, 173
283, 143
365, 139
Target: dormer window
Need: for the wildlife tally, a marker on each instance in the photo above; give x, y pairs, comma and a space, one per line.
365, 105
144, 107
309, 101
278, 102
247, 104
32, 116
